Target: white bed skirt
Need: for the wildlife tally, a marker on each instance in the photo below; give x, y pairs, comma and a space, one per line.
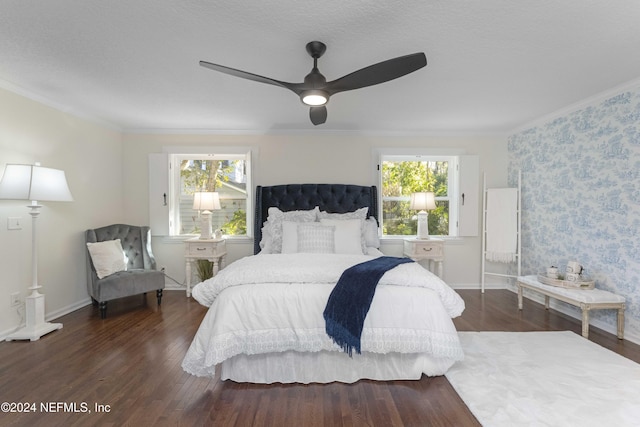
330, 366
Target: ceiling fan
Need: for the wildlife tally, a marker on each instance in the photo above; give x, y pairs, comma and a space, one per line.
315, 90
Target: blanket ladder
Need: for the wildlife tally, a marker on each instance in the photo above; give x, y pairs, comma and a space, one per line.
518, 253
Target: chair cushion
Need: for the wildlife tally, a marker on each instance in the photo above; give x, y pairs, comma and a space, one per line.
126, 283
107, 257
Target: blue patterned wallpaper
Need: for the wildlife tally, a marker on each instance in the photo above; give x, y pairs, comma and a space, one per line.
581, 197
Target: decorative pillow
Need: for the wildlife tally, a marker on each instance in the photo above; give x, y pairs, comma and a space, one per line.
348, 235
274, 226
371, 236
360, 214
290, 237
108, 257
316, 238
265, 242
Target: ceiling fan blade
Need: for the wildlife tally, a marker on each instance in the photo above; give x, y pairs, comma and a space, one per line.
250, 76
378, 73
318, 115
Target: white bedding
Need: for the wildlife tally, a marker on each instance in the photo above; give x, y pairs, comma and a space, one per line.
267, 304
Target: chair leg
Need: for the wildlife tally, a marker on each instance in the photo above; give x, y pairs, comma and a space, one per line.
103, 309
159, 294
94, 302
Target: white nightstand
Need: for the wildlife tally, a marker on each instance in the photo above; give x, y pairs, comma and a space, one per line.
213, 250
431, 250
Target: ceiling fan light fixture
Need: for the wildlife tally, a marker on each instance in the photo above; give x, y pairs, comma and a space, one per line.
314, 97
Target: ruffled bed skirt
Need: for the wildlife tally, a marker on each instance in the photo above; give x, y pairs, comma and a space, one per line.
330, 366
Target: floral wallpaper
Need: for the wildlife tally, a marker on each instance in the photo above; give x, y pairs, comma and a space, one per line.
581, 198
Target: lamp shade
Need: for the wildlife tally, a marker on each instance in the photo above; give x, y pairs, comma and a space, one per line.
33, 182
206, 201
423, 201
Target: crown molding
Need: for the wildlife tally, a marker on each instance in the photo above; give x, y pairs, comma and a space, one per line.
602, 96
18, 90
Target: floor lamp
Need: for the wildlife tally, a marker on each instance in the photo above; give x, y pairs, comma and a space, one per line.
35, 183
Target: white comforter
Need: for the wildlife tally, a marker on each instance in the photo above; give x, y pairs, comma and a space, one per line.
274, 303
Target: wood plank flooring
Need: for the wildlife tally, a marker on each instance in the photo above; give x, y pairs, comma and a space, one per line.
130, 364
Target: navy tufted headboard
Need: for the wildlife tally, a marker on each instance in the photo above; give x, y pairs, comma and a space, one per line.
334, 198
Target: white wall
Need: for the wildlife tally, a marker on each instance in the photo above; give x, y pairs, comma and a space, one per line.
312, 158
108, 176
91, 156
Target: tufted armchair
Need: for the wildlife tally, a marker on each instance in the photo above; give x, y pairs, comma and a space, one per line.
140, 276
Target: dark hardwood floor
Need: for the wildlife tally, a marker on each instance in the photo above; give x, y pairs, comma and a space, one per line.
130, 364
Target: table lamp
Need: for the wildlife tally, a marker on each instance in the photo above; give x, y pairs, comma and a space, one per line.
204, 202
423, 202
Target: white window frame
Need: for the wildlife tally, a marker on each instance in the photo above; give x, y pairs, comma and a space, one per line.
166, 216
457, 179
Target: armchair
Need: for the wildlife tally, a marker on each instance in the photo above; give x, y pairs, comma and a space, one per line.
140, 275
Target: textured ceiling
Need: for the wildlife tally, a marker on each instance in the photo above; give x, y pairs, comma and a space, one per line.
493, 65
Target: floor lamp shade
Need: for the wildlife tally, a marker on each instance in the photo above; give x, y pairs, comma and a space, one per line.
34, 183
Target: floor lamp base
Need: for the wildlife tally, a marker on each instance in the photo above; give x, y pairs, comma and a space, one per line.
36, 326
33, 333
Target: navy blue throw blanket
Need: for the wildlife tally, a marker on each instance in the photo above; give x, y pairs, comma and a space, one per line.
351, 298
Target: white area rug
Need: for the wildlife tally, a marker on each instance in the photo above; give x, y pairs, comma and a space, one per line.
545, 379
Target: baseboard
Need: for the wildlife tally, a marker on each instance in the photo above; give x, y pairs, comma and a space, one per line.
477, 286
174, 287
71, 308
575, 312
6, 333
68, 309
51, 316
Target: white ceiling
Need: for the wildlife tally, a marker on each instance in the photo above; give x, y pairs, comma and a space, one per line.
493, 65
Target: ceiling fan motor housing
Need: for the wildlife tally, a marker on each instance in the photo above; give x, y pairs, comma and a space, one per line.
315, 95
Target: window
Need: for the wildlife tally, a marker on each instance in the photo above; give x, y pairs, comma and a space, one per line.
403, 175
452, 178
225, 174
179, 172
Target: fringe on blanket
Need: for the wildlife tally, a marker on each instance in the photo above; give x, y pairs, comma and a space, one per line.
506, 257
350, 300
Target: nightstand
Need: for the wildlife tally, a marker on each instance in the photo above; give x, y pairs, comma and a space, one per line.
213, 250
431, 250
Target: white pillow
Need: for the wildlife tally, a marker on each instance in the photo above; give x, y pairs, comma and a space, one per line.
289, 237
348, 235
316, 238
265, 241
371, 236
272, 239
360, 214
108, 257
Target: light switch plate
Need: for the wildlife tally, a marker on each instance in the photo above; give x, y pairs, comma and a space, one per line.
14, 223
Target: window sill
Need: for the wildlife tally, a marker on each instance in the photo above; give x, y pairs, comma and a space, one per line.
398, 240
182, 238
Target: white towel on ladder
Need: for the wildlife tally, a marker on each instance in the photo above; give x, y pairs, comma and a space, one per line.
502, 224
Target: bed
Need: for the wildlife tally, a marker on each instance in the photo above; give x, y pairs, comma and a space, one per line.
265, 319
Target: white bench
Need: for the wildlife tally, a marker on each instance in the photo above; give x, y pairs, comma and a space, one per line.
593, 299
